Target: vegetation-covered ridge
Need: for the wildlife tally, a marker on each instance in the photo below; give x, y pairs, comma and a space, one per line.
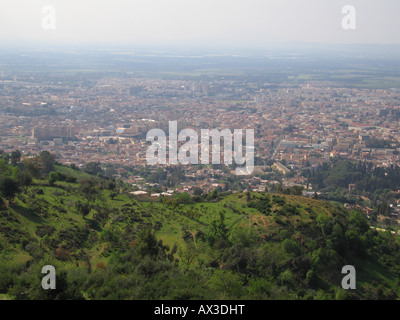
107, 244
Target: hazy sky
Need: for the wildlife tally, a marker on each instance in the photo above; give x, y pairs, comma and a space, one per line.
198, 22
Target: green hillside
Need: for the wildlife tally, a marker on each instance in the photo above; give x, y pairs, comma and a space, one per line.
107, 244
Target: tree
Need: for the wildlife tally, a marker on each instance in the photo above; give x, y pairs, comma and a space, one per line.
110, 185
197, 191
88, 189
74, 167
337, 238
93, 168
384, 209
47, 161
8, 187
110, 172
146, 243
183, 198
83, 208
23, 178
53, 177
113, 194
323, 221
295, 190
358, 221
32, 166
217, 230
15, 157
213, 195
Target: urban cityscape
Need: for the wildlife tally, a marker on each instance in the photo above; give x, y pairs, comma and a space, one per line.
187, 153
297, 125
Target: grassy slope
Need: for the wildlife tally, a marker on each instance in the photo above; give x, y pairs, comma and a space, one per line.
60, 213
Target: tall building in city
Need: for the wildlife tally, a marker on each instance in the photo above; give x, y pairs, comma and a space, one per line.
52, 132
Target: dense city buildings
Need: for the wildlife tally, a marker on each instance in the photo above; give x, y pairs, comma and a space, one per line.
299, 123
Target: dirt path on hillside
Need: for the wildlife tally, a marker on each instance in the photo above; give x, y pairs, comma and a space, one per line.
194, 238
103, 246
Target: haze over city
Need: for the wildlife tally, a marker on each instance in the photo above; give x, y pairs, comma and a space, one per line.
238, 23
